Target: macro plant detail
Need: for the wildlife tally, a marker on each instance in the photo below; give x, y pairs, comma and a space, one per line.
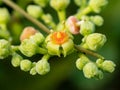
60, 38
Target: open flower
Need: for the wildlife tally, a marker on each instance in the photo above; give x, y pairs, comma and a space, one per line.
59, 43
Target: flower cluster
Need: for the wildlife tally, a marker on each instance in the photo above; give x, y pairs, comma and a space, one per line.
60, 41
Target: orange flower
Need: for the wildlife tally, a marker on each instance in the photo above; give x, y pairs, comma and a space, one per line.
59, 37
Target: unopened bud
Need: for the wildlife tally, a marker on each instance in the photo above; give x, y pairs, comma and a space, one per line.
42, 3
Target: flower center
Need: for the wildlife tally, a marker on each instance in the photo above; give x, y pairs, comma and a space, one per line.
59, 37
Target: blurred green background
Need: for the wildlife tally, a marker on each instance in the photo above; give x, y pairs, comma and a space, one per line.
64, 75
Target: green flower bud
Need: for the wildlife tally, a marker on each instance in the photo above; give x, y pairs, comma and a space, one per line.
42, 3
16, 59
59, 4
4, 34
78, 2
35, 11
98, 20
38, 38
4, 48
33, 69
97, 4
82, 61
95, 41
28, 47
108, 66
99, 62
90, 70
86, 28
4, 15
99, 75
42, 67
25, 65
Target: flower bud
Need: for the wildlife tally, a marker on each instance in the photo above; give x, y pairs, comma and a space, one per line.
4, 15
82, 61
95, 41
86, 28
42, 3
27, 33
28, 47
35, 11
90, 70
16, 59
108, 66
97, 4
42, 67
78, 2
33, 69
4, 48
25, 65
72, 26
99, 76
99, 62
98, 20
59, 4
38, 38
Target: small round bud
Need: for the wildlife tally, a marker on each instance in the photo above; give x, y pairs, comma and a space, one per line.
42, 67
27, 32
38, 38
98, 20
100, 75
28, 47
97, 4
108, 66
82, 61
72, 26
86, 28
59, 4
25, 65
90, 70
95, 41
4, 48
78, 2
35, 11
42, 3
16, 59
33, 71
99, 62
4, 15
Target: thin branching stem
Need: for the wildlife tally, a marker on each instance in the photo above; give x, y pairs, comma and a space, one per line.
45, 29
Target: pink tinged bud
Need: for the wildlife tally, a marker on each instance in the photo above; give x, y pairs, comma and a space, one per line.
72, 25
27, 32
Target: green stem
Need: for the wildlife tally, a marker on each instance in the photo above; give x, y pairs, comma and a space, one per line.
85, 11
18, 9
41, 50
61, 15
44, 28
88, 52
46, 57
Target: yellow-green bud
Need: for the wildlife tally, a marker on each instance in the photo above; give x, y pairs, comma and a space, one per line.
90, 70
95, 41
78, 2
80, 62
97, 4
28, 47
108, 66
86, 28
99, 62
99, 75
38, 38
42, 3
25, 65
4, 15
16, 59
33, 69
98, 20
42, 67
59, 4
4, 48
35, 11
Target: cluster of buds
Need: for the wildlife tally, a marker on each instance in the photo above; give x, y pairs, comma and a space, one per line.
60, 41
